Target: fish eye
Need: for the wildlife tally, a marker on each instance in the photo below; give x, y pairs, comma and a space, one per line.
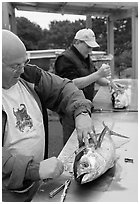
117, 101
85, 164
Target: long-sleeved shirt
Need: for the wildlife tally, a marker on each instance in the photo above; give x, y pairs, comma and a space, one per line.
50, 92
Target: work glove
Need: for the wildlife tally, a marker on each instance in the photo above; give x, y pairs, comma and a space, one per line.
50, 168
104, 71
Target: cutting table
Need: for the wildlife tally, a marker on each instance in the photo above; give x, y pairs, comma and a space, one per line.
118, 184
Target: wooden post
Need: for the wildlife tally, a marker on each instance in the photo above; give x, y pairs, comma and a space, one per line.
110, 42
8, 17
88, 21
134, 44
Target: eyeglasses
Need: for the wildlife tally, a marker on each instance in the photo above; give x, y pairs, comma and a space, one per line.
17, 67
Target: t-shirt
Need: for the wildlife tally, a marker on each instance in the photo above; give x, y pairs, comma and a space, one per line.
24, 132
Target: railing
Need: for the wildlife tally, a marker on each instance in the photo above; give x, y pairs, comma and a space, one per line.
53, 53
50, 54
46, 58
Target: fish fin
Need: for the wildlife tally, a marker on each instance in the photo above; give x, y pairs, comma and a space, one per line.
111, 132
99, 142
117, 134
79, 155
119, 142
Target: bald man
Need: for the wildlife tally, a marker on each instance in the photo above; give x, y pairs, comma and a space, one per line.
27, 92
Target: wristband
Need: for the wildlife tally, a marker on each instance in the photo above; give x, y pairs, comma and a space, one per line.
84, 113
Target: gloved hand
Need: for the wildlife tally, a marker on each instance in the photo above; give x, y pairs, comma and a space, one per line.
50, 168
84, 127
104, 71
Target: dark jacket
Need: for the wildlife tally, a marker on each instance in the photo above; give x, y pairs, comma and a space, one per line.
51, 92
71, 64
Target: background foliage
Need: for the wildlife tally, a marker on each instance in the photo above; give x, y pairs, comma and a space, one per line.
61, 33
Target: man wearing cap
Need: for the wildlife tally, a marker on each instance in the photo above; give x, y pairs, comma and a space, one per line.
75, 64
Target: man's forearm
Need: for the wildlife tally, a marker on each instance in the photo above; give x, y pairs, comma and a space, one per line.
103, 82
83, 82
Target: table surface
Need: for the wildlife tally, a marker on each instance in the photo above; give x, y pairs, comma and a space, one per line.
120, 183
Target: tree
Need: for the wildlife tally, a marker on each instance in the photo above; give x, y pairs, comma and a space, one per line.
61, 33
29, 33
99, 26
122, 33
123, 44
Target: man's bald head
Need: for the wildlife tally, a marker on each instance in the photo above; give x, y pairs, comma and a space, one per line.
12, 47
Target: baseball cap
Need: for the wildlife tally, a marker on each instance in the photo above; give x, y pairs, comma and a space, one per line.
88, 36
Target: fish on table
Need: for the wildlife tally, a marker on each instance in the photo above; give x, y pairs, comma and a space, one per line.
93, 161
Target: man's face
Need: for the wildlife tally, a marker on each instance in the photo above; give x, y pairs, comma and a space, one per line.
11, 71
85, 49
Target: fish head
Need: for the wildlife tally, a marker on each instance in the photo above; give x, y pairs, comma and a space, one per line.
120, 99
85, 166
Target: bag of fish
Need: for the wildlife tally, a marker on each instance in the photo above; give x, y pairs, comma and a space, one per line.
120, 98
